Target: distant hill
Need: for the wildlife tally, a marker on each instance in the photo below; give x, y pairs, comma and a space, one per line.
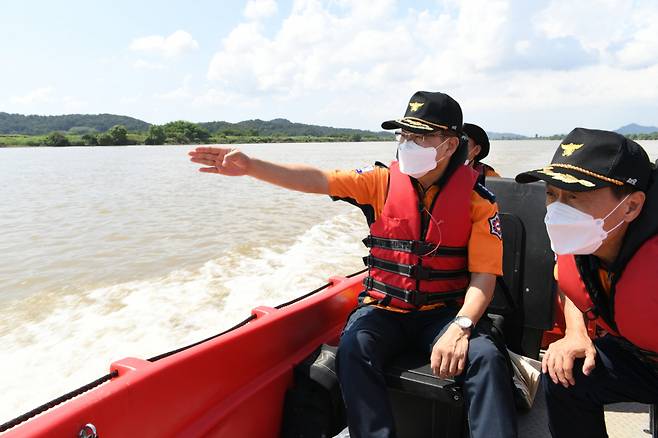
80, 123
83, 123
505, 136
286, 127
634, 128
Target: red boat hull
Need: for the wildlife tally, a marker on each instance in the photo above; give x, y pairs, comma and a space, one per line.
231, 386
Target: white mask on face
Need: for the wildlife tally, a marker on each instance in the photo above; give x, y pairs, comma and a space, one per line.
416, 160
573, 232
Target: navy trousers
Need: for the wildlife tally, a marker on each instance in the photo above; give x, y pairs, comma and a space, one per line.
372, 336
577, 411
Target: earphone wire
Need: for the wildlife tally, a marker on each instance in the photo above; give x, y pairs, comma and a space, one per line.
438, 227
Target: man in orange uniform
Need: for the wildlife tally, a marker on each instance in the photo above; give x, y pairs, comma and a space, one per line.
435, 251
601, 219
478, 149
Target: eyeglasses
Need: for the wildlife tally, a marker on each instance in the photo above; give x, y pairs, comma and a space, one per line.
420, 139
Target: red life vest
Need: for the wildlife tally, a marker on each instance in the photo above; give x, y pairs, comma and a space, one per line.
633, 310
408, 269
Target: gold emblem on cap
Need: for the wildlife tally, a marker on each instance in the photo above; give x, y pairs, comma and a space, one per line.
565, 177
569, 148
415, 106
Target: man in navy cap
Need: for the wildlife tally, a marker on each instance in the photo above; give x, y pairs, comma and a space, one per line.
435, 251
602, 205
478, 149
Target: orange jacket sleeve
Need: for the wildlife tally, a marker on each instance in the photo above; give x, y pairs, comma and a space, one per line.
485, 247
367, 185
491, 172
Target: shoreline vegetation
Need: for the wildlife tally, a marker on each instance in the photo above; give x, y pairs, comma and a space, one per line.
140, 138
111, 130
18, 130
120, 136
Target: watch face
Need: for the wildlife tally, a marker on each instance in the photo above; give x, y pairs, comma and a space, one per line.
464, 322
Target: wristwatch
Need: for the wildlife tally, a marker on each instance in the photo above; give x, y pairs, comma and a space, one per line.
463, 322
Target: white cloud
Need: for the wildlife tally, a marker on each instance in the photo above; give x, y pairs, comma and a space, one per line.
217, 97
522, 47
353, 61
176, 44
177, 94
38, 95
595, 23
623, 32
592, 86
183, 93
258, 9
129, 100
317, 48
353, 45
642, 49
42, 100
141, 64
311, 49
73, 104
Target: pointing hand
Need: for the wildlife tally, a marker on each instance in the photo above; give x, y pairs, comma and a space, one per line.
224, 161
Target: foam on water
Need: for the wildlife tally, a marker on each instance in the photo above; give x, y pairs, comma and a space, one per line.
72, 339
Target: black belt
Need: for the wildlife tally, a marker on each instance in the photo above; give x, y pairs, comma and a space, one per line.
415, 247
413, 297
417, 272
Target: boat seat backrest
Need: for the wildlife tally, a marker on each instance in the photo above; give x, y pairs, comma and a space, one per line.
507, 295
527, 263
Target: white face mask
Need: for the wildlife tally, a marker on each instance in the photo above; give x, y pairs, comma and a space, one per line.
573, 232
416, 160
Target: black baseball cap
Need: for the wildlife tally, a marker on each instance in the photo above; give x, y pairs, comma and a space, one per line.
480, 137
590, 159
429, 112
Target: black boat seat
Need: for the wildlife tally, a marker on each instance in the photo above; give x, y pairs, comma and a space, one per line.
423, 405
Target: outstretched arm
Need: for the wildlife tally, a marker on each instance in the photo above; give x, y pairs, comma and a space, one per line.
233, 162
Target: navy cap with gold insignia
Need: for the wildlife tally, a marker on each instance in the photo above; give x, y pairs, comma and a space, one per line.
590, 159
429, 112
480, 137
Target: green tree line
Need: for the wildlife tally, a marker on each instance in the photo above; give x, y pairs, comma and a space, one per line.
651, 136
75, 124
183, 132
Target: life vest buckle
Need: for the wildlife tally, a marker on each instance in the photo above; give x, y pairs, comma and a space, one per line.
416, 298
413, 297
419, 272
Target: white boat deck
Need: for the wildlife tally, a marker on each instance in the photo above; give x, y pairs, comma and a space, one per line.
623, 420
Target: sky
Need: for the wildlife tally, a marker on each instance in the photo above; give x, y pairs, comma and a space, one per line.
528, 67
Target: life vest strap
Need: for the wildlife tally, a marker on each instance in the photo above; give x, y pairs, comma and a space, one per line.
413, 297
416, 247
592, 313
417, 272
